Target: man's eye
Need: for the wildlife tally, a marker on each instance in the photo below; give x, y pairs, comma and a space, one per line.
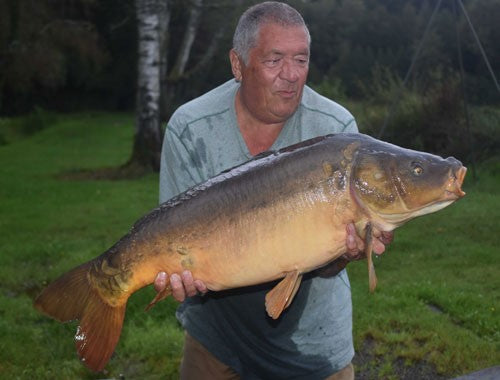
272, 62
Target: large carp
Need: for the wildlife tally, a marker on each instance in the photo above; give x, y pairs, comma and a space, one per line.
277, 216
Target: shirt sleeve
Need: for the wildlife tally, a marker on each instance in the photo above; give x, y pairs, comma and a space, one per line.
177, 173
351, 127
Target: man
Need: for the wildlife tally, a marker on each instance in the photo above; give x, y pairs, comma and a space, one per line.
266, 106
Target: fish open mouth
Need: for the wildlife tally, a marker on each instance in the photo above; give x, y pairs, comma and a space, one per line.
454, 187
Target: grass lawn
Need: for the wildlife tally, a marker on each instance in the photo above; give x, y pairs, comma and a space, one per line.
437, 301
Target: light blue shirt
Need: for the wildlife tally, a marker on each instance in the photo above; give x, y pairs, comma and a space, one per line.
313, 337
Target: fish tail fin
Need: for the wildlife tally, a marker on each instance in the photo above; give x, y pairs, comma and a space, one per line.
72, 297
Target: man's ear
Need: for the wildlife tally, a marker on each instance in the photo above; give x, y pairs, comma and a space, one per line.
235, 65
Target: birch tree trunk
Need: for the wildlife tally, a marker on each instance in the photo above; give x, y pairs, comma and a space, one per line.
179, 72
188, 39
164, 45
151, 16
169, 80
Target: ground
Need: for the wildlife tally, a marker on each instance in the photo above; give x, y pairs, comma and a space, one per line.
369, 367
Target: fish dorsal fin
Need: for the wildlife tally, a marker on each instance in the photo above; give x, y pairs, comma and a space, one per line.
281, 296
372, 277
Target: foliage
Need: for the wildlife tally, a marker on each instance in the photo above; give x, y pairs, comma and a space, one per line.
82, 54
14, 129
432, 118
37, 120
332, 89
436, 302
45, 48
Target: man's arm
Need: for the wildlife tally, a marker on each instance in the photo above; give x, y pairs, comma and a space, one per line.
177, 169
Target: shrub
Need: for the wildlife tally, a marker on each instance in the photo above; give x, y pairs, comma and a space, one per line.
37, 120
431, 119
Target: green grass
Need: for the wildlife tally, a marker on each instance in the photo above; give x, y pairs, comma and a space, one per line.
437, 300
49, 225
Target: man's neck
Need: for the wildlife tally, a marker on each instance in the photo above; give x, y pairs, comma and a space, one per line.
258, 135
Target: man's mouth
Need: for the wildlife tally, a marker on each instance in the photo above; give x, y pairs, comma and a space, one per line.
287, 93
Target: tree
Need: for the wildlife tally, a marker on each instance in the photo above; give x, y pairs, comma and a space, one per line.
37, 40
152, 20
156, 84
181, 72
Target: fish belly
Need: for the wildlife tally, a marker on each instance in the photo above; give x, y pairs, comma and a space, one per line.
262, 245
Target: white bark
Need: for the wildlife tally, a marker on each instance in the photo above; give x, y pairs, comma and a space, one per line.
148, 67
164, 43
188, 39
150, 26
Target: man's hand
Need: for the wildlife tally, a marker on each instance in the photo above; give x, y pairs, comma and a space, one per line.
356, 245
356, 250
182, 285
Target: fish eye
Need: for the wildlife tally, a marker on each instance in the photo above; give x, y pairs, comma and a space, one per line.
417, 169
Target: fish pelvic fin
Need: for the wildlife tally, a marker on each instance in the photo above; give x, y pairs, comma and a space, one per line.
372, 277
72, 297
281, 296
159, 297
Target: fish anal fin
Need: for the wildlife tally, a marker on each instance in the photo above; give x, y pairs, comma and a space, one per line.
372, 277
72, 297
280, 297
294, 291
160, 296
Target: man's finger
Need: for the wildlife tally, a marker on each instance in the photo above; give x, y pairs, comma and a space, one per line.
378, 246
386, 237
187, 280
178, 291
353, 242
160, 281
200, 286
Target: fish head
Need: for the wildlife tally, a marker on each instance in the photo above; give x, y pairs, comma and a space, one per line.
395, 185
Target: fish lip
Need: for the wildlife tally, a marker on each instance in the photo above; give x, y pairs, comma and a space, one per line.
452, 195
456, 186
453, 190
461, 175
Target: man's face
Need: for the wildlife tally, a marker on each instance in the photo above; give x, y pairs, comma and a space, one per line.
274, 77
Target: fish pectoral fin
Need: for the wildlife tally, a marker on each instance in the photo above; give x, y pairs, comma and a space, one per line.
160, 296
281, 296
372, 277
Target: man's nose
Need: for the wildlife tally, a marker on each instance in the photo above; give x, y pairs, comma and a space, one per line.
289, 71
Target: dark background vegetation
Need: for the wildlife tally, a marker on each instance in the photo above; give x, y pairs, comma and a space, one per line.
69, 55
67, 102
81, 54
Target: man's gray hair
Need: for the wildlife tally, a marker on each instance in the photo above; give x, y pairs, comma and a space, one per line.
247, 30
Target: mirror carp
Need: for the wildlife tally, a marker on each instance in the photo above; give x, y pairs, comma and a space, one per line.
275, 217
